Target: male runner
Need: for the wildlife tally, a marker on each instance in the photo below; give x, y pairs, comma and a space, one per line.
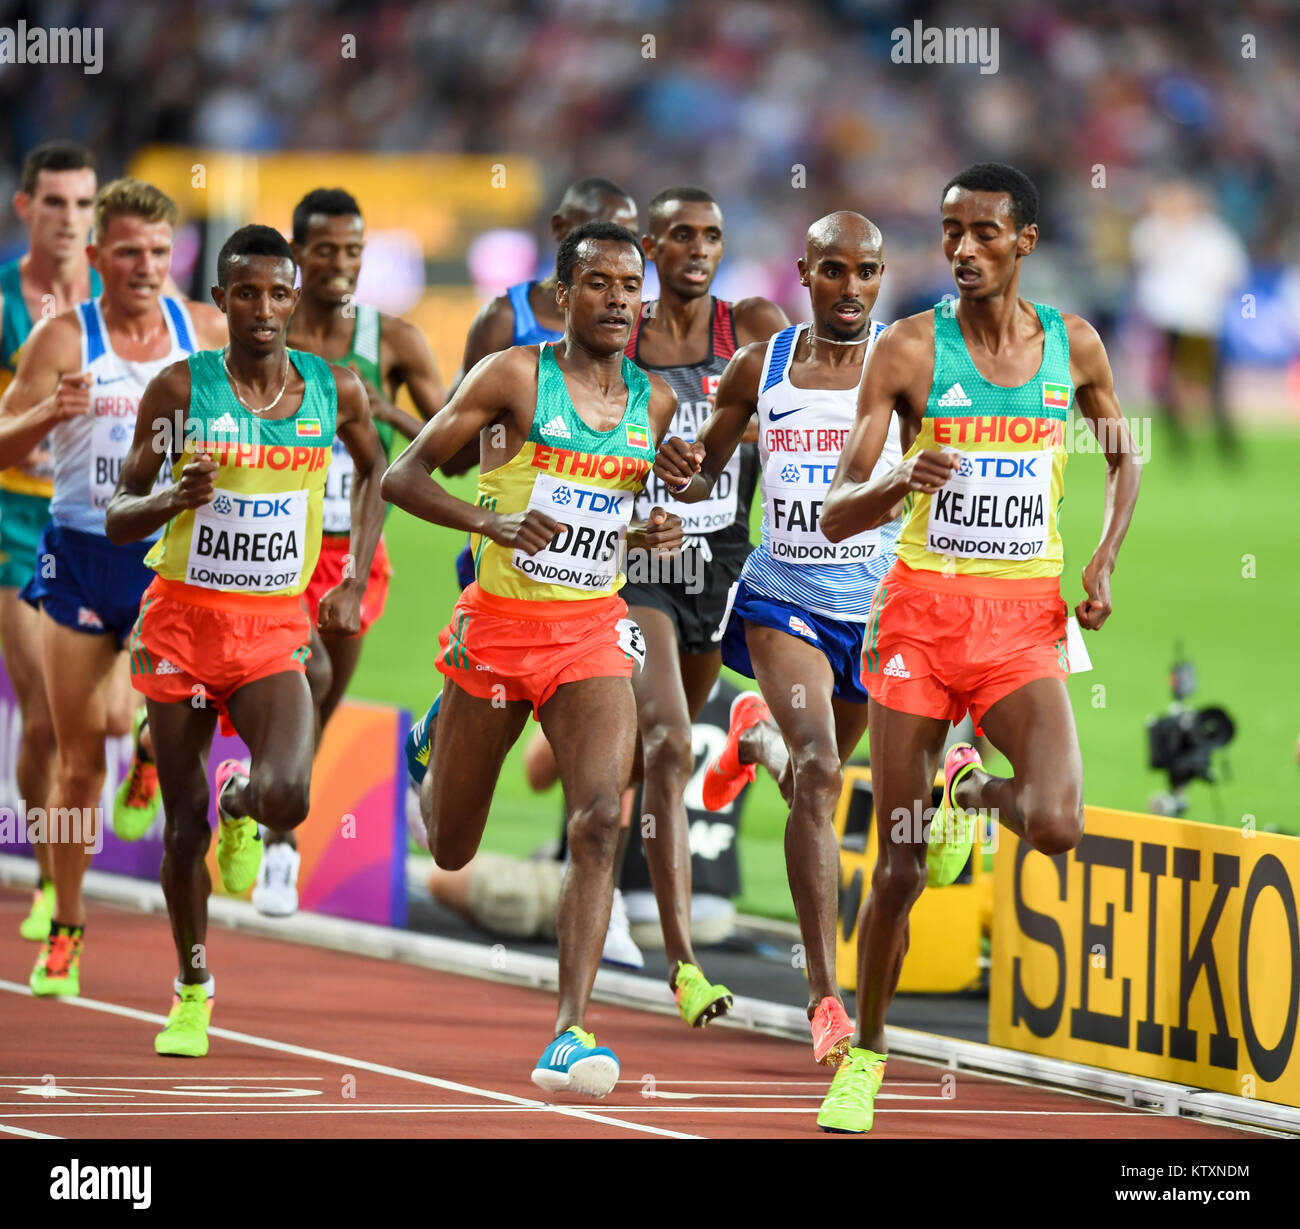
79, 382
542, 629
223, 618
687, 337
526, 315
971, 615
54, 200
387, 353
797, 620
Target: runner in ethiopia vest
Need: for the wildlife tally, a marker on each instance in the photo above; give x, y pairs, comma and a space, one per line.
797, 620
687, 337
569, 432
222, 630
971, 618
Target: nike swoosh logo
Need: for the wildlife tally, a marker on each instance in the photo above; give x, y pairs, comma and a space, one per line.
114, 380
775, 417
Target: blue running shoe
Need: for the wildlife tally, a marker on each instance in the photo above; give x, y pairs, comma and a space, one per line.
418, 744
573, 1062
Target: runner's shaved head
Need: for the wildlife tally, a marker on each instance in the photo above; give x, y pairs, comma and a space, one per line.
840, 230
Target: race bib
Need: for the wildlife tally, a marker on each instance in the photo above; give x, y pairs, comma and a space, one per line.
337, 509
255, 543
794, 488
632, 642
698, 519
585, 553
995, 507
110, 441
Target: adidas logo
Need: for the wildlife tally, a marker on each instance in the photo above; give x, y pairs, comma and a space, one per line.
557, 428
225, 425
166, 667
895, 668
563, 1053
956, 395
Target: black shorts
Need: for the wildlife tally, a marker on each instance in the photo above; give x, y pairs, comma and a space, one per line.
697, 600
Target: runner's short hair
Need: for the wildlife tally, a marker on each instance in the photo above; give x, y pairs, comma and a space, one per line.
53, 156
998, 177
603, 232
252, 240
132, 198
332, 202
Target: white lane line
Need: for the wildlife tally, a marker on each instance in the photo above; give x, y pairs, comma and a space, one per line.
278, 1111
358, 1064
25, 1133
822, 1084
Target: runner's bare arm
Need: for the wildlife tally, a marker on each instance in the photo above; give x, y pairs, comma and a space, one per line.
340, 607
136, 509
501, 389
492, 331
698, 465
47, 388
1094, 391
661, 531
898, 372
412, 366
756, 319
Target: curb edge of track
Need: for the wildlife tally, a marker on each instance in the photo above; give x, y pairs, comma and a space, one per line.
496, 962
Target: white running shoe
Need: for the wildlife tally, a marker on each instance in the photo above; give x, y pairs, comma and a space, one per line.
276, 893
619, 948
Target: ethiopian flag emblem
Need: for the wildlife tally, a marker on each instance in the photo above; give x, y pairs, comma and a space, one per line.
309, 427
637, 437
1056, 396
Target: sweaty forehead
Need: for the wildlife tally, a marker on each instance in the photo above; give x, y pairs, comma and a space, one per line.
846, 250
686, 213
260, 270
606, 256
334, 227
972, 206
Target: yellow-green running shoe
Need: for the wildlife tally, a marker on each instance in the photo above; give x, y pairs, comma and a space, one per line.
952, 831
239, 843
57, 972
136, 803
36, 925
698, 1001
850, 1104
186, 1034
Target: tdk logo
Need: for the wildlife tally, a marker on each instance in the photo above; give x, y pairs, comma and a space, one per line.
259, 507
811, 473
592, 501
1001, 467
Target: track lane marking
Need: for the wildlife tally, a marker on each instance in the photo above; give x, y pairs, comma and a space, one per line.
359, 1064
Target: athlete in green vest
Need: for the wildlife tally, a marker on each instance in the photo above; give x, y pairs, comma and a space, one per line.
542, 629
970, 618
249, 431
388, 353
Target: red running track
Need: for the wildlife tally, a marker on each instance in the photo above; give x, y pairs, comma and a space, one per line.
317, 1044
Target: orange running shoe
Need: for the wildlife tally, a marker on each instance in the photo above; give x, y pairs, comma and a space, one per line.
726, 776
831, 1031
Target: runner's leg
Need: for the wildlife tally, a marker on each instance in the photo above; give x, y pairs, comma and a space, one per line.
796, 681
664, 721
474, 736
79, 672
344, 654
20, 633
1043, 802
905, 751
591, 724
274, 717
182, 736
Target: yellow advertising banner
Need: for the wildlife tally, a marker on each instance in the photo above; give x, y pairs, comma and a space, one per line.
1158, 947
